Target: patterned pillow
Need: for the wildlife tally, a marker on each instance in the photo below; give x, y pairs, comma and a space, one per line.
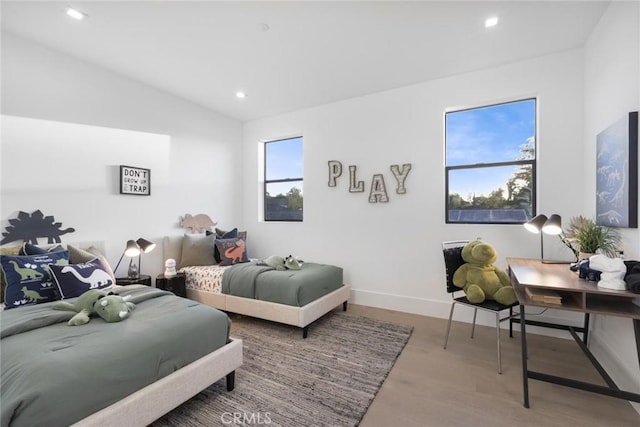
75, 279
233, 234
28, 278
232, 251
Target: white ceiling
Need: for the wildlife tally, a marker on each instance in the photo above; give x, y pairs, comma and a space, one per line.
313, 52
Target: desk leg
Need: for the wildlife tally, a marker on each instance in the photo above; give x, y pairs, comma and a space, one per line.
525, 376
585, 334
636, 329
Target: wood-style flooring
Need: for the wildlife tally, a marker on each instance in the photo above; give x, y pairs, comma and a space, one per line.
460, 386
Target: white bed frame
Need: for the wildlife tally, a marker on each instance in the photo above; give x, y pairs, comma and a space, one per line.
148, 404
282, 313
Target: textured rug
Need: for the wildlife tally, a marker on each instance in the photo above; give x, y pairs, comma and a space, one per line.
328, 379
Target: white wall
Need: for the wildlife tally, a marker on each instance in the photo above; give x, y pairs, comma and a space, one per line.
192, 152
612, 89
391, 253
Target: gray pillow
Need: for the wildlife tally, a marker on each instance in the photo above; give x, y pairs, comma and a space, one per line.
197, 249
81, 256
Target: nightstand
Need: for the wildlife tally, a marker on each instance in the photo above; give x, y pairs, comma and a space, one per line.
142, 280
175, 284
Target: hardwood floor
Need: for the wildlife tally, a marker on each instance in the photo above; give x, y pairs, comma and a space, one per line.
460, 386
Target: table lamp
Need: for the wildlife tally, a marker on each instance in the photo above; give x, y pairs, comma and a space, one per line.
541, 224
131, 250
145, 246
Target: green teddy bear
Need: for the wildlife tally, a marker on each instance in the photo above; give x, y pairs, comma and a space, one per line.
479, 278
109, 306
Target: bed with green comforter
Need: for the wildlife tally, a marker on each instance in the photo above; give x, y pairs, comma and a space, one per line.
53, 374
290, 287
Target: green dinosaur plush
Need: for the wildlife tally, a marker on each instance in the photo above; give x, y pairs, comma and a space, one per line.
479, 278
107, 305
281, 264
274, 261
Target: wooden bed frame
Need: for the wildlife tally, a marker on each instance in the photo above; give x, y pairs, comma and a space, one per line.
301, 317
150, 403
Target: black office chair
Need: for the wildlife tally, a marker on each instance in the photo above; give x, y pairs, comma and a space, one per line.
453, 260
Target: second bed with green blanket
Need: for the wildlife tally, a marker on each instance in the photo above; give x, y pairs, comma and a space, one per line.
290, 287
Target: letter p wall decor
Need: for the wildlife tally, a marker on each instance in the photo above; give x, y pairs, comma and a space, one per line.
136, 181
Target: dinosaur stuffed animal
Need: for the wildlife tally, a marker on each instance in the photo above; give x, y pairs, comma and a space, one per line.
282, 263
479, 278
109, 306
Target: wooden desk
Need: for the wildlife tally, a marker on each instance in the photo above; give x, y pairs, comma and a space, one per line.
577, 295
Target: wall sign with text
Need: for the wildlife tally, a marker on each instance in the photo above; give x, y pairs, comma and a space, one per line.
378, 192
135, 181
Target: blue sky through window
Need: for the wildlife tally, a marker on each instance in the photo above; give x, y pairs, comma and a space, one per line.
284, 160
486, 135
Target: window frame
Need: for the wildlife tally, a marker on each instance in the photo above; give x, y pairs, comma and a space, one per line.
532, 162
266, 181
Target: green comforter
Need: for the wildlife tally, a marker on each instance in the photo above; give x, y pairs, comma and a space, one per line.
54, 374
290, 287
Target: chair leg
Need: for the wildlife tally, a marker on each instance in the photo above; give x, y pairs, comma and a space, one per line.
446, 337
473, 325
498, 341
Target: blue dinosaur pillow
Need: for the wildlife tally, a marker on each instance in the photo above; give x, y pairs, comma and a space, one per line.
233, 234
28, 278
232, 251
75, 279
31, 249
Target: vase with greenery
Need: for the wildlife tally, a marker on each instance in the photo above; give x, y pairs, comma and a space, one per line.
584, 236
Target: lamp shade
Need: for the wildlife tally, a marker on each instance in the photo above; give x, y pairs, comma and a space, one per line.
145, 245
553, 225
536, 223
132, 249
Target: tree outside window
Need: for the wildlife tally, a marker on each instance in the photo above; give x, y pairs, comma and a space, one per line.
490, 164
283, 182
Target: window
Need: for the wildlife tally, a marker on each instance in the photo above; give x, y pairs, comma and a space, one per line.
490, 163
283, 166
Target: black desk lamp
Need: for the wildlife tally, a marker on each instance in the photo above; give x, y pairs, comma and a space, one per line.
145, 246
541, 224
131, 250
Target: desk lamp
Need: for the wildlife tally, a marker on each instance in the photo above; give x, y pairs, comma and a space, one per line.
145, 247
541, 224
131, 250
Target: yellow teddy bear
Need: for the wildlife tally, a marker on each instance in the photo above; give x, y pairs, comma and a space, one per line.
479, 278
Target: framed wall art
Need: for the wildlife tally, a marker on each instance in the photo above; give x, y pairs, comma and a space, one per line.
135, 181
617, 173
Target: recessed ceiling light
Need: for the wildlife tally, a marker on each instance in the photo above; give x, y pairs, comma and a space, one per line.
75, 14
241, 95
491, 22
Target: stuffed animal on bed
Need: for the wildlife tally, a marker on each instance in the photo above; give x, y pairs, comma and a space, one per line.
479, 278
107, 305
282, 263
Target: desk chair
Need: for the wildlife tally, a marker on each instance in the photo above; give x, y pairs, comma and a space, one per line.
452, 251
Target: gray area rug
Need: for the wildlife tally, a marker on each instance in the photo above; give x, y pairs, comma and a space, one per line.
328, 379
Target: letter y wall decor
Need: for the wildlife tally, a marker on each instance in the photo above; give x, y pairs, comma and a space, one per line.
378, 189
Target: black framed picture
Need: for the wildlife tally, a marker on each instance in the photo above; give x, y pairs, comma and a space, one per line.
136, 181
617, 173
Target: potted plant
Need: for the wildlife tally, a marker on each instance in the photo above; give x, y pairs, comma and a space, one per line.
585, 238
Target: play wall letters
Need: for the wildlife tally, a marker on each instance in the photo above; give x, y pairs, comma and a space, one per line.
378, 191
